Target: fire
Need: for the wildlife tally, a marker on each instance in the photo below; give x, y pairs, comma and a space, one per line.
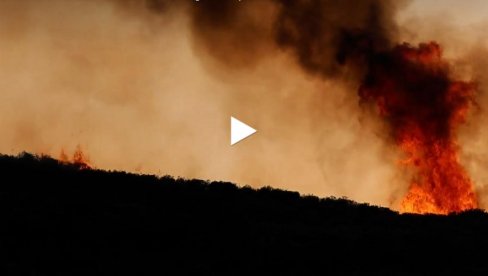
441, 185
79, 158
413, 90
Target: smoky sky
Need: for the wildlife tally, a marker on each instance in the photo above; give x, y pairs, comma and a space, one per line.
149, 86
412, 87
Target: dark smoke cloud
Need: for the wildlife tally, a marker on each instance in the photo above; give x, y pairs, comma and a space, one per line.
327, 34
323, 35
235, 33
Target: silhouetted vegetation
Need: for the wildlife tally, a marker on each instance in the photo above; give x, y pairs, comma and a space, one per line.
58, 219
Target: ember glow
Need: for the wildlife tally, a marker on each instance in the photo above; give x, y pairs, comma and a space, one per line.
413, 90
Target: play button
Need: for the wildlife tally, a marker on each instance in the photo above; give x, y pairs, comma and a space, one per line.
239, 131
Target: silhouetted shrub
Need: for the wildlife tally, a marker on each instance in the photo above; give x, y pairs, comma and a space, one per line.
58, 219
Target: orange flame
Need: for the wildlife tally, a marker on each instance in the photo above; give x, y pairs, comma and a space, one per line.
414, 91
79, 158
441, 185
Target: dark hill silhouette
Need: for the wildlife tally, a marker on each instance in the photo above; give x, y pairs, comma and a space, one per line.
58, 219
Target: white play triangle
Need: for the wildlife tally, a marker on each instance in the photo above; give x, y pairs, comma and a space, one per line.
239, 131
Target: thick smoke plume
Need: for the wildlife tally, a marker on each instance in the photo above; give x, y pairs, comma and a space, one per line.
323, 35
149, 86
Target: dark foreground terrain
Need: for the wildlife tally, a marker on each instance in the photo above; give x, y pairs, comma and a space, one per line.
61, 220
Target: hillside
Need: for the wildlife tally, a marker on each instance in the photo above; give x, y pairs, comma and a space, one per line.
58, 219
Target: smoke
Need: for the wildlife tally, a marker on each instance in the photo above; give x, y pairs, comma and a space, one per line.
149, 86
323, 35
